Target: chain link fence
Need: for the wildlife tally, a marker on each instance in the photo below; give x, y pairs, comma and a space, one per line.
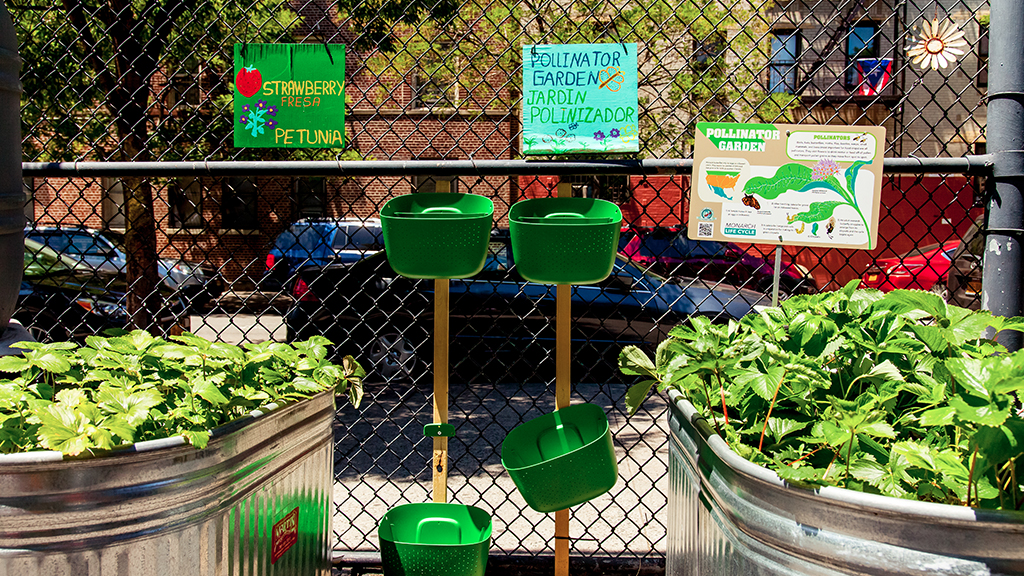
434, 93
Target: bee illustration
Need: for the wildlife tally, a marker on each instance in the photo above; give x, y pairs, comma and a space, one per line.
861, 137
749, 200
830, 226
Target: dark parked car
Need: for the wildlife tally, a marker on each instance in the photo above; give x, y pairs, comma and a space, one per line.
501, 326
62, 299
319, 243
103, 250
668, 252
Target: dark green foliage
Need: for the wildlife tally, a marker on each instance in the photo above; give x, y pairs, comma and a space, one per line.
898, 394
133, 387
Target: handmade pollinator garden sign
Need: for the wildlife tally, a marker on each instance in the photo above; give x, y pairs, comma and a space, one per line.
289, 95
580, 98
797, 185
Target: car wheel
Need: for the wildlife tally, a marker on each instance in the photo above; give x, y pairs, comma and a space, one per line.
940, 289
393, 353
43, 326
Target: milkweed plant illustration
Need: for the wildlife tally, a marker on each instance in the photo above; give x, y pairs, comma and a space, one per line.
799, 178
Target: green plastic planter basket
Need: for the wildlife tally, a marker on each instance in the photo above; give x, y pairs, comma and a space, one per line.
563, 458
434, 538
564, 240
437, 235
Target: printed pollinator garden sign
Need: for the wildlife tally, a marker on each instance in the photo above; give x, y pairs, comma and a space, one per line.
580, 98
798, 185
290, 95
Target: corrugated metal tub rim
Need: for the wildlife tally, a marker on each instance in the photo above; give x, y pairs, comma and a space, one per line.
993, 535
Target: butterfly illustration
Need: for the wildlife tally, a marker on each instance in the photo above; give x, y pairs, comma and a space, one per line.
611, 78
749, 200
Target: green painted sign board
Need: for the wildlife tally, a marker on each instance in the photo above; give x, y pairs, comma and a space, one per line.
580, 98
289, 95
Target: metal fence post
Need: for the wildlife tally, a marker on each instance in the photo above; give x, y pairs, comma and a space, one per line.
1001, 280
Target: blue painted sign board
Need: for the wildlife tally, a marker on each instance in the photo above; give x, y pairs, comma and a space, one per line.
580, 98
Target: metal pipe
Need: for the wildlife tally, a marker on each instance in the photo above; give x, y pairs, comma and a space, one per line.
973, 165
1002, 269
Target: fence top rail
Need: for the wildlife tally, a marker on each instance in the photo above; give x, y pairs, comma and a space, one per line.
972, 165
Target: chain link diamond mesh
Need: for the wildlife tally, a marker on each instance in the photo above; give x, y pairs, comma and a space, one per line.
136, 81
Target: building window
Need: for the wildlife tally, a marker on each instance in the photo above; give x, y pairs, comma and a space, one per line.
429, 183
613, 188
861, 43
186, 209
782, 69
310, 197
238, 204
434, 82
709, 51
113, 204
983, 54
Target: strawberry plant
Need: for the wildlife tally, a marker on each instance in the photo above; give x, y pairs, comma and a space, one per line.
131, 387
898, 394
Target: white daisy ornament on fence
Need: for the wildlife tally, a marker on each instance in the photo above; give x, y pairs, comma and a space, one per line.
938, 46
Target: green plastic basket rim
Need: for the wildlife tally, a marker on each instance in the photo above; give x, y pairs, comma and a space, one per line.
439, 215
599, 438
490, 521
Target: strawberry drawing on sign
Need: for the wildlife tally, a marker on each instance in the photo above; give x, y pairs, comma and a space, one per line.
248, 81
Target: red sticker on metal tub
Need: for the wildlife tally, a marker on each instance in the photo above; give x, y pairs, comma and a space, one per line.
284, 535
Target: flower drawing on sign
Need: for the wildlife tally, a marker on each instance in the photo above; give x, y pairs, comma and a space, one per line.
938, 46
613, 133
599, 135
629, 133
254, 118
823, 169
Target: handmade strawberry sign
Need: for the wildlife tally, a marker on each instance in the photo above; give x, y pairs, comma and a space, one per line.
289, 95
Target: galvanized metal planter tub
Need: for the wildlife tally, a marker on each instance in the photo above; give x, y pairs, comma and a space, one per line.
167, 508
729, 516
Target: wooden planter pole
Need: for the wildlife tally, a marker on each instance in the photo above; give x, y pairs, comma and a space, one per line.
440, 462
563, 360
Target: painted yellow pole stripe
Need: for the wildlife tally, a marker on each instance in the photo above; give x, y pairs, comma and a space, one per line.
563, 388
440, 460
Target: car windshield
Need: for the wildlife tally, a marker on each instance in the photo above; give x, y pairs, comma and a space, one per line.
358, 238
42, 261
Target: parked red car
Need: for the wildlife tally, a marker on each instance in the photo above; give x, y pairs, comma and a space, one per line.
924, 268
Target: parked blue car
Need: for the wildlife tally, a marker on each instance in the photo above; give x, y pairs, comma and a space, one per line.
319, 243
502, 327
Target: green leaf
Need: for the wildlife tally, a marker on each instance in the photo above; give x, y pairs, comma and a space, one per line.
938, 416
877, 429
13, 364
788, 177
637, 393
818, 211
205, 389
979, 411
851, 176
197, 438
634, 362
51, 362
63, 429
934, 337
132, 407
229, 351
764, 384
1000, 443
779, 428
